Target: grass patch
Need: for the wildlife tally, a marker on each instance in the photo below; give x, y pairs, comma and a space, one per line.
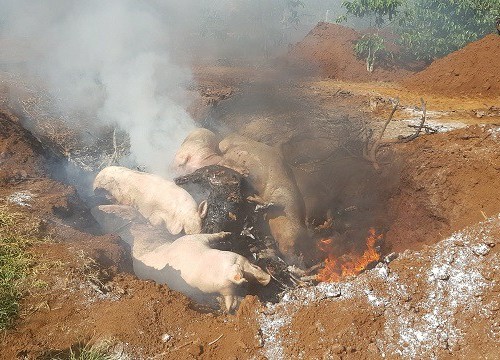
98, 351
14, 264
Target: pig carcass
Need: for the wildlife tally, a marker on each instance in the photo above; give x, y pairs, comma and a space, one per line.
199, 149
190, 262
159, 200
132, 228
274, 183
223, 188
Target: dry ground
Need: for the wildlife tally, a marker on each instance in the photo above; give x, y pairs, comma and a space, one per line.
437, 300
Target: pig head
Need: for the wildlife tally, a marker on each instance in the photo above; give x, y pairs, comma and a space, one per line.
191, 261
159, 200
274, 182
199, 149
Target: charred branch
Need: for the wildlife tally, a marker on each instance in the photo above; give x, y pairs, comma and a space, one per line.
420, 126
371, 148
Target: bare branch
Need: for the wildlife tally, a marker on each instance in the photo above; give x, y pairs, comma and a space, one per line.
420, 126
371, 154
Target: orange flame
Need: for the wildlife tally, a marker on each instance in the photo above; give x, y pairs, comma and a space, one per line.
348, 265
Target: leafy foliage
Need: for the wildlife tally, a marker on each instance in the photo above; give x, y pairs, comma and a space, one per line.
378, 9
368, 47
431, 29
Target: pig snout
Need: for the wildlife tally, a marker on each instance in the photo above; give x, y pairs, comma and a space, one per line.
254, 272
199, 149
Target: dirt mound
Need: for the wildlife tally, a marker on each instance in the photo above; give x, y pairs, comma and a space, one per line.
448, 181
328, 49
473, 71
438, 303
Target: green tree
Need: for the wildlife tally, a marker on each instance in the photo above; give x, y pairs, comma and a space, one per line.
371, 45
379, 10
430, 29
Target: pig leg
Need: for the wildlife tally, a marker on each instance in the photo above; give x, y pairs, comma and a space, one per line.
253, 271
214, 239
158, 219
231, 302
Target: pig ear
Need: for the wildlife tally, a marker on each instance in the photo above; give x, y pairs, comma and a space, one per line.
203, 209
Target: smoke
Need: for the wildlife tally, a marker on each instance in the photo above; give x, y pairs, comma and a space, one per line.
106, 63
126, 63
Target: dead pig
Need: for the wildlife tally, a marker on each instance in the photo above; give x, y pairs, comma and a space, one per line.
159, 200
199, 149
132, 228
223, 188
190, 263
274, 183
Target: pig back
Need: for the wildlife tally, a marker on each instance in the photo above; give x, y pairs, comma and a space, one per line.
197, 264
157, 199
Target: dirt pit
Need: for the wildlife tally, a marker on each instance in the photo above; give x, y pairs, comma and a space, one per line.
435, 200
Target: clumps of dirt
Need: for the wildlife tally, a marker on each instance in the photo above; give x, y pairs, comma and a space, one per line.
329, 50
427, 304
471, 71
448, 181
26, 167
83, 289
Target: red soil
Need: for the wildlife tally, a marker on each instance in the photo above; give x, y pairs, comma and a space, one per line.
473, 70
328, 48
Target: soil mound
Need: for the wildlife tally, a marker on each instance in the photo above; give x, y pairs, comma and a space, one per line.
448, 181
328, 48
473, 70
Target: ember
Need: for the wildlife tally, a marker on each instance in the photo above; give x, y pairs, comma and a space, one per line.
350, 264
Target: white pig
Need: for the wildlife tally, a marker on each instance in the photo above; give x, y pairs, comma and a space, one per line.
159, 200
132, 228
274, 183
191, 261
199, 149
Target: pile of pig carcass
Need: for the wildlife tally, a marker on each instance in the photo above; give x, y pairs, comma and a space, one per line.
228, 225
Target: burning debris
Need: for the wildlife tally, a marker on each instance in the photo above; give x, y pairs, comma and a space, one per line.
232, 221
337, 268
241, 205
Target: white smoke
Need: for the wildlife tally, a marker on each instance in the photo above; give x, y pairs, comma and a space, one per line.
108, 61
116, 62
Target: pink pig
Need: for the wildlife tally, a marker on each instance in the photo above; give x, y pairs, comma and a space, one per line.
199, 149
274, 183
159, 200
190, 262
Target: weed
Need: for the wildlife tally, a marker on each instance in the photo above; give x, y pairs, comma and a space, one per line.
98, 351
14, 263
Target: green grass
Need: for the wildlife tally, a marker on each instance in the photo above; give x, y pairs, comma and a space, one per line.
98, 351
14, 264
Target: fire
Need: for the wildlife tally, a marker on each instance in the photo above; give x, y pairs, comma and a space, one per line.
337, 268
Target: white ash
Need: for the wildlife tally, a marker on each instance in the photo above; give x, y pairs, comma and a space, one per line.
436, 124
271, 326
445, 279
495, 133
21, 198
166, 337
